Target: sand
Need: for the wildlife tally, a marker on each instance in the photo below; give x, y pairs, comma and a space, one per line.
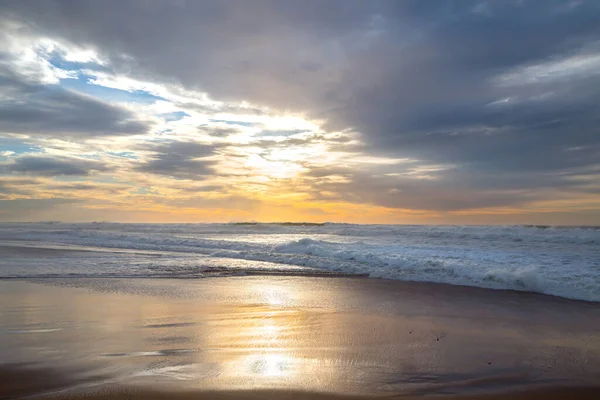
291, 337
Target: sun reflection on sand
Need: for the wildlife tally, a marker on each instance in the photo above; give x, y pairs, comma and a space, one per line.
269, 345
259, 338
263, 339
270, 365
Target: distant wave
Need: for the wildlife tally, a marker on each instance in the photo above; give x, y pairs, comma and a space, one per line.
590, 227
279, 223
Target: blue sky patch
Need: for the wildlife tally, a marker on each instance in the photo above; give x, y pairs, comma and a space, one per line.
59, 62
143, 190
174, 116
228, 122
81, 84
17, 146
123, 154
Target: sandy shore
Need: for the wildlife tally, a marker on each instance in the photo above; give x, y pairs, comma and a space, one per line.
291, 337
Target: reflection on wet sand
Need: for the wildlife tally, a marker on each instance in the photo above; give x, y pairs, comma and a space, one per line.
138, 339
296, 334
259, 342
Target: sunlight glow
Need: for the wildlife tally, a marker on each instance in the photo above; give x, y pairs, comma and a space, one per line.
272, 169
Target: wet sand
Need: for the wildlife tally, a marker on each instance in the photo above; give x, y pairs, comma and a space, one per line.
18, 383
538, 394
291, 337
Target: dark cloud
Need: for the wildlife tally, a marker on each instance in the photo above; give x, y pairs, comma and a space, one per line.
107, 188
29, 209
228, 202
77, 186
197, 189
235, 50
16, 186
51, 166
505, 91
447, 190
49, 110
183, 160
219, 132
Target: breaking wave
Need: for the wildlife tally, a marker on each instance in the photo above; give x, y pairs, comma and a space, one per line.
560, 261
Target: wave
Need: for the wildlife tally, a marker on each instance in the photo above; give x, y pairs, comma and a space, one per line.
459, 269
563, 261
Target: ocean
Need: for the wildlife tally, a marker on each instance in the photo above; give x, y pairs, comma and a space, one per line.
558, 261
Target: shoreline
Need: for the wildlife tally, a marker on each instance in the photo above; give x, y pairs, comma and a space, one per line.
301, 274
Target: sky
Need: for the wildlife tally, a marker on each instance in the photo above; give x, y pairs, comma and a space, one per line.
434, 112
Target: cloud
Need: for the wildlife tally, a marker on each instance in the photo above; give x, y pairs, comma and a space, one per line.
197, 189
219, 132
51, 166
433, 189
32, 101
18, 186
502, 94
24, 209
33, 109
88, 187
222, 202
183, 160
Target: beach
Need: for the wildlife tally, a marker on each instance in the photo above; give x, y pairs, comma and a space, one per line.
298, 311
299, 199
287, 199
290, 336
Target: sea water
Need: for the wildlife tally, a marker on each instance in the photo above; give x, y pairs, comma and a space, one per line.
559, 261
